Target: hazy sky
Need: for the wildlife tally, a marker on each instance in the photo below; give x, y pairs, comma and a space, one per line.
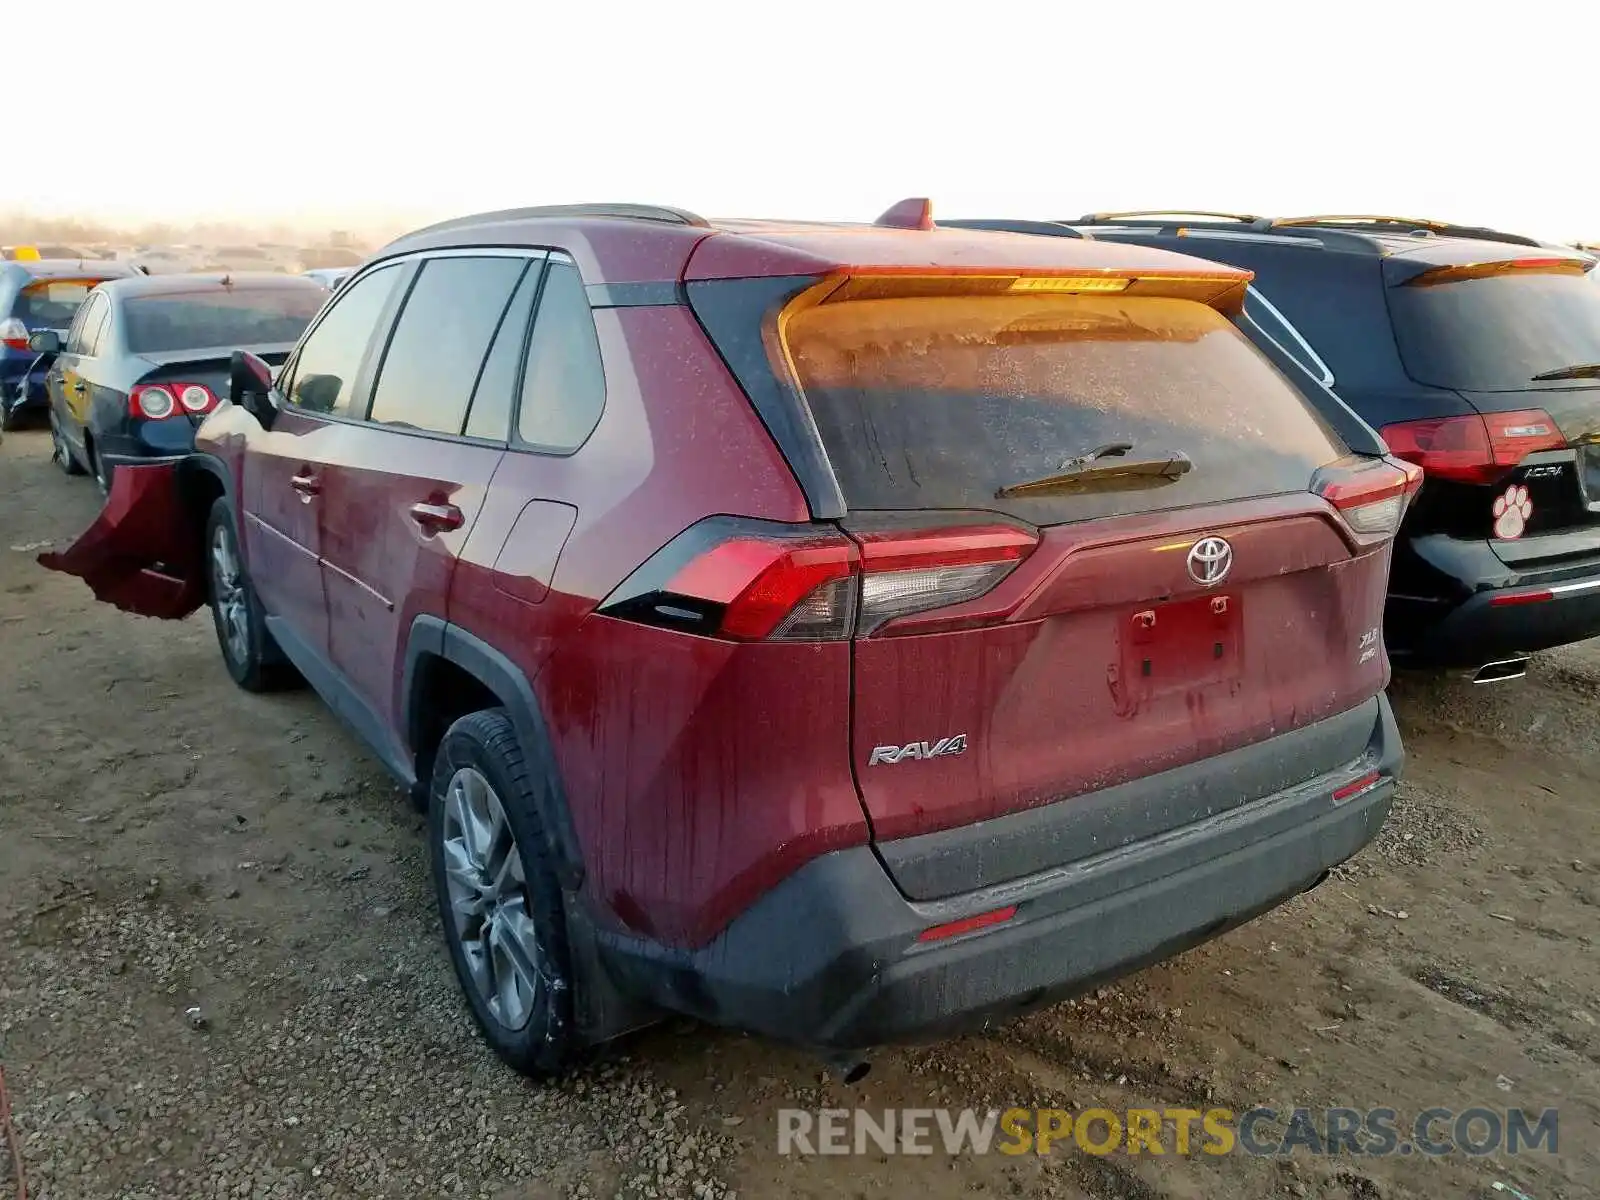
335, 112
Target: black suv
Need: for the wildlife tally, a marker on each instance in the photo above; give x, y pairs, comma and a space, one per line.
1476, 355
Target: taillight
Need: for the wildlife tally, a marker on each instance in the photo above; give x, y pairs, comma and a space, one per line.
1474, 449
757, 581
911, 573
158, 401
1372, 500
14, 334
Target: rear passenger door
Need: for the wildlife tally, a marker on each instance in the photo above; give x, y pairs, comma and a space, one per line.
401, 491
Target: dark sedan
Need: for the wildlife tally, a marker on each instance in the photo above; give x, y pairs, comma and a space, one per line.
38, 295
147, 358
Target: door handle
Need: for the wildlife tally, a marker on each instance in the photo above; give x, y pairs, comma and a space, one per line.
436, 518
306, 485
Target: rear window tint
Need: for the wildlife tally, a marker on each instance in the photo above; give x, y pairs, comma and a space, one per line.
51, 303
1495, 334
943, 402
237, 317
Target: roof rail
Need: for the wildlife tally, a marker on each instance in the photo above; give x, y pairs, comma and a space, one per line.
629, 212
1009, 225
1114, 217
1408, 224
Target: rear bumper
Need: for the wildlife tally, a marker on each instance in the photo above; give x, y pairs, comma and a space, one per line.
1509, 622
831, 958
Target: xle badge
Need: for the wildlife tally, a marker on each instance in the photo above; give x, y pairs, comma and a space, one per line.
889, 755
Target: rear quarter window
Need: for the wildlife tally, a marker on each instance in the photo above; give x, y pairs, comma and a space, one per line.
943, 402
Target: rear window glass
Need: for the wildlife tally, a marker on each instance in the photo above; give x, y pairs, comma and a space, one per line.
943, 402
52, 303
1495, 334
240, 317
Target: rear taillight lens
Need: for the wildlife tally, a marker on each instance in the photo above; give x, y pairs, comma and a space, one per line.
755, 581
158, 401
14, 334
1372, 500
911, 573
153, 403
1474, 449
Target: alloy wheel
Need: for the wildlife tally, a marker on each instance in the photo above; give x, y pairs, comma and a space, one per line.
489, 900
228, 594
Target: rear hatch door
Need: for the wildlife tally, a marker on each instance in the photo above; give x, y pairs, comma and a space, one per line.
1175, 588
1519, 340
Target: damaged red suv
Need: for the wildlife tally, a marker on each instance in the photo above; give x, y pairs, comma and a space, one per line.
844, 633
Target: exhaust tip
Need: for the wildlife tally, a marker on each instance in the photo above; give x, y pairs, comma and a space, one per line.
848, 1068
1501, 670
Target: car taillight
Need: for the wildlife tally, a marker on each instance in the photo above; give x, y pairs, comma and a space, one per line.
1473, 449
158, 401
14, 334
195, 397
758, 581
911, 573
1373, 500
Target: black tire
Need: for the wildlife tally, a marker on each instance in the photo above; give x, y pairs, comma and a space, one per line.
60, 451
252, 658
486, 743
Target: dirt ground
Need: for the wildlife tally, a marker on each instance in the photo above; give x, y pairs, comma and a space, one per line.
169, 843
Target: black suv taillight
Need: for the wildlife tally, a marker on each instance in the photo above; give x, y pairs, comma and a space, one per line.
748, 580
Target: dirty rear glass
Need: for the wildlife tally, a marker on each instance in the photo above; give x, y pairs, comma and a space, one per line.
1495, 334
224, 318
51, 304
942, 402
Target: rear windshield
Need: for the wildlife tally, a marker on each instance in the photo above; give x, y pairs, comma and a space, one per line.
943, 402
1495, 334
51, 303
240, 317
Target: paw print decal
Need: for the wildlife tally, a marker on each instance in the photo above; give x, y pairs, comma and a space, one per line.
1511, 513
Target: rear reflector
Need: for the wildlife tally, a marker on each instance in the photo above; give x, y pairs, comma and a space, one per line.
968, 924
1365, 783
1474, 449
1510, 599
755, 581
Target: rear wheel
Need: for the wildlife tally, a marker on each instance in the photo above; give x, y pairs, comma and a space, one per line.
498, 896
248, 651
60, 452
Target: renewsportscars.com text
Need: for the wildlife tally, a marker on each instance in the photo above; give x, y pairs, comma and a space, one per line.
1257, 1131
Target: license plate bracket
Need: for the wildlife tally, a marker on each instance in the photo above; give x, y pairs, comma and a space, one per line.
1176, 647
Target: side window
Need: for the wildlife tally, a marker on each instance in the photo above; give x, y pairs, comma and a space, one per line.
564, 387
440, 341
99, 339
325, 369
490, 416
86, 328
1276, 326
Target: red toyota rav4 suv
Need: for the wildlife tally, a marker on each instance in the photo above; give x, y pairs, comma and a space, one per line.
845, 633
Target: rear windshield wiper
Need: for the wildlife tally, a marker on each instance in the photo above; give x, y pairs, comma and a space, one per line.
1091, 471
1576, 371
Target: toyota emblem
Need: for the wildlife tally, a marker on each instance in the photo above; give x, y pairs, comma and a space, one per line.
1210, 560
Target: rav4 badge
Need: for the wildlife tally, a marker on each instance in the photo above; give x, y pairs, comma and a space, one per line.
889, 755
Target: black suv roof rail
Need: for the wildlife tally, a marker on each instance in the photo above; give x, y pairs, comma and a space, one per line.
1412, 225
1013, 225
627, 212
1117, 218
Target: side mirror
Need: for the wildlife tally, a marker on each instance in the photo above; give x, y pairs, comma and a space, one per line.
46, 341
250, 387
